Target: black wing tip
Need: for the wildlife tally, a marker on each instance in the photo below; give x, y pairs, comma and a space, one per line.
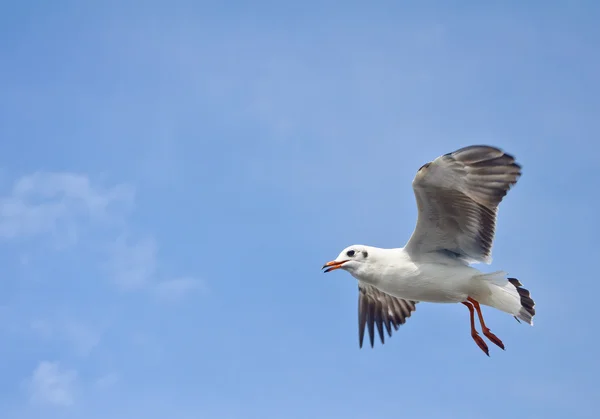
373, 314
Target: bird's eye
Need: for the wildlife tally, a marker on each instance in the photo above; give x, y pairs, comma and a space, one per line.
350, 253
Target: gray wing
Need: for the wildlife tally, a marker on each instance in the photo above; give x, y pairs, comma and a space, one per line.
457, 198
376, 308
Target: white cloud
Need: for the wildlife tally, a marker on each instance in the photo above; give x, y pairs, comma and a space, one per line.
81, 337
134, 266
107, 380
51, 384
50, 202
134, 263
62, 204
42, 327
175, 289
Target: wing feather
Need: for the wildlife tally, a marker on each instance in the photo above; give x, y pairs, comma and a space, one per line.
457, 198
378, 309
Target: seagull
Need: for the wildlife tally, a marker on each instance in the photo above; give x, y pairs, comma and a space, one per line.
457, 197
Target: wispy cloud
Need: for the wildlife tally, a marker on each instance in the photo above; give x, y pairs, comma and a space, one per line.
80, 336
174, 289
61, 204
134, 266
133, 263
106, 380
83, 337
51, 384
89, 216
57, 203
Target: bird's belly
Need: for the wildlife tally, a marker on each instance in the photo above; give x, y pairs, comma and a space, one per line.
429, 284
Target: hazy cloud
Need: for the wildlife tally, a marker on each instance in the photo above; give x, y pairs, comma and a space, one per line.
51, 202
107, 380
175, 289
52, 384
82, 337
133, 263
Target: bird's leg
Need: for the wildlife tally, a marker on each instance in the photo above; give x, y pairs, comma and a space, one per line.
486, 331
478, 339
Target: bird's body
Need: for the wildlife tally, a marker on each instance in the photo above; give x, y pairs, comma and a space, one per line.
435, 279
457, 197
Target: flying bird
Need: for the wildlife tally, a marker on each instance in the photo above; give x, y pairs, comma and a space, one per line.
457, 198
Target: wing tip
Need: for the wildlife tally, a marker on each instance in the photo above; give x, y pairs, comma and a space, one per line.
377, 310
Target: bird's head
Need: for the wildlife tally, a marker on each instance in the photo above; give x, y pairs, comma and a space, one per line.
352, 259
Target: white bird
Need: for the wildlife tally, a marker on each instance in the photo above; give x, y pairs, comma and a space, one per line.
457, 198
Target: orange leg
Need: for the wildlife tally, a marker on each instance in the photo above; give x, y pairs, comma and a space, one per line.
478, 339
486, 331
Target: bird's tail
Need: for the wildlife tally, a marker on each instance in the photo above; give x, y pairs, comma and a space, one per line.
508, 295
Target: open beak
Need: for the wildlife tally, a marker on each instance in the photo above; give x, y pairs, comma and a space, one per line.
333, 265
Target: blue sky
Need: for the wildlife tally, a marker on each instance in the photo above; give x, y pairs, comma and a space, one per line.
173, 175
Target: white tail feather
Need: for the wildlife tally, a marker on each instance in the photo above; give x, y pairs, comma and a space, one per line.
506, 294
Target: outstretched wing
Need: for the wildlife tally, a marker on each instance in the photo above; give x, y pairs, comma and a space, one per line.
376, 308
457, 198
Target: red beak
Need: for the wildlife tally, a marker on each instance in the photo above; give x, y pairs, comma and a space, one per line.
333, 265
